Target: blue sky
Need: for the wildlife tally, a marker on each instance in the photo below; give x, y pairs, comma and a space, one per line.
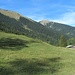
62, 11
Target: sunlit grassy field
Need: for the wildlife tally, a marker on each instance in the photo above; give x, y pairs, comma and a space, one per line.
20, 55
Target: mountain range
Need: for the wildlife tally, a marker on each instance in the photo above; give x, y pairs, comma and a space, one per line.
62, 28
44, 30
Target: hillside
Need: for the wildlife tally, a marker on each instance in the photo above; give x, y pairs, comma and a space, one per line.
50, 32
13, 22
21, 55
62, 28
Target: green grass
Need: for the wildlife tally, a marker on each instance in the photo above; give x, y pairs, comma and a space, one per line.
20, 55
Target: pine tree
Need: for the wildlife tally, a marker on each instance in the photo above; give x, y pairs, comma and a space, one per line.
62, 41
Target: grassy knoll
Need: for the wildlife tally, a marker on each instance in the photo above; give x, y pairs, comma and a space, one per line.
20, 55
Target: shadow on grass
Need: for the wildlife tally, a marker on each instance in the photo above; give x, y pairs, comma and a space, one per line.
33, 67
6, 71
7, 43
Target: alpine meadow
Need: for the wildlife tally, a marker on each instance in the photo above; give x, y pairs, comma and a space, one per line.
28, 47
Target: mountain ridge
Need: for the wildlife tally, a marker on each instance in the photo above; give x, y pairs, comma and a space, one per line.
62, 28
25, 26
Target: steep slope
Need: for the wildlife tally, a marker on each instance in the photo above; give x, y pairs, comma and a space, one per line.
15, 23
62, 28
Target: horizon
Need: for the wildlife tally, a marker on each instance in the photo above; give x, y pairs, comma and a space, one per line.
57, 11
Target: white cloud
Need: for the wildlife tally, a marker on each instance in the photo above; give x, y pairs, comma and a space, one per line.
66, 18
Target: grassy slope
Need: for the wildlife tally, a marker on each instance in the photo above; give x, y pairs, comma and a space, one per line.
34, 57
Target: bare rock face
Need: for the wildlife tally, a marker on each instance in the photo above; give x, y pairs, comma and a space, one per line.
44, 22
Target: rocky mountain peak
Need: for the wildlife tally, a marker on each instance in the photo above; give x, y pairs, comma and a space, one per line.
44, 22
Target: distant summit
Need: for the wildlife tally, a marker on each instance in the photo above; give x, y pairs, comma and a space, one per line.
13, 14
44, 22
62, 28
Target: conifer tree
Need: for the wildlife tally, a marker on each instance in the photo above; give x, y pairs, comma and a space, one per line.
62, 41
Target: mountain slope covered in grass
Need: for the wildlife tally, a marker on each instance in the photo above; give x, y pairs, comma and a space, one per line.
21, 55
13, 22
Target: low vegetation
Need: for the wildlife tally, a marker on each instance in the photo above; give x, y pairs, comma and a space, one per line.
20, 55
